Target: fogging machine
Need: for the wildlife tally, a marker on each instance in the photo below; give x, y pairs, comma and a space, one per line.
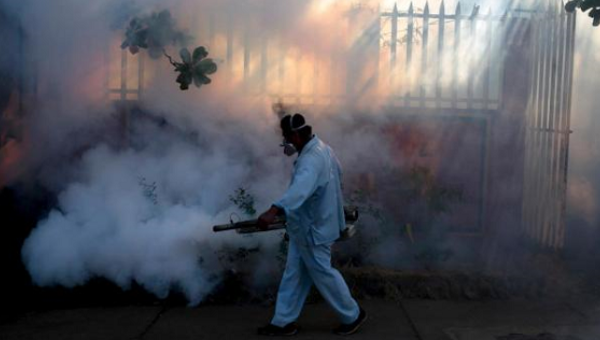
251, 226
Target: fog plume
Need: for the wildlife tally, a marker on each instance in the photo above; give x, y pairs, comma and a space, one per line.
136, 195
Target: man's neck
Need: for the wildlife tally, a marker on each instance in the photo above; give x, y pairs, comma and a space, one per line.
304, 144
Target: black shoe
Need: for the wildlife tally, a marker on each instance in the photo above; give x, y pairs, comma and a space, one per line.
272, 330
351, 328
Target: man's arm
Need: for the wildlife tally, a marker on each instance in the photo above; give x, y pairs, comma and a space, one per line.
267, 218
304, 183
302, 187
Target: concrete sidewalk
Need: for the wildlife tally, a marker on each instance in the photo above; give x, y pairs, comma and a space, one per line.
492, 320
407, 319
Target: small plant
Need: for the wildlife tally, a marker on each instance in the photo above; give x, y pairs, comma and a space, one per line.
370, 212
407, 205
149, 190
230, 256
244, 201
363, 201
425, 186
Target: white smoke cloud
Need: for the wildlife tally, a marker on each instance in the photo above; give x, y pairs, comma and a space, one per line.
109, 221
140, 212
112, 224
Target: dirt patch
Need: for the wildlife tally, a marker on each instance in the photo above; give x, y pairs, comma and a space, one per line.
388, 284
391, 284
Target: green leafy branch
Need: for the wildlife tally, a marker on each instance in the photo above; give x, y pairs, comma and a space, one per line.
154, 33
193, 67
157, 31
149, 190
244, 201
586, 5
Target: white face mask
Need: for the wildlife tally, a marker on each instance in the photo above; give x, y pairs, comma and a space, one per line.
288, 148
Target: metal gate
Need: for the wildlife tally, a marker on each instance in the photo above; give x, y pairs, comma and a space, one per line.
548, 127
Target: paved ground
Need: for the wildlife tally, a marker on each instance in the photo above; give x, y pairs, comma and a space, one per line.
408, 319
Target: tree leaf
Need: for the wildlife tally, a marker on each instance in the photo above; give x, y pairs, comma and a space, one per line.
199, 54
202, 78
571, 6
197, 81
185, 55
206, 66
184, 79
585, 5
179, 67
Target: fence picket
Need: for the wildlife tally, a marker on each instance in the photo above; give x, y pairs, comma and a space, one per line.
410, 26
424, 47
487, 64
457, 24
393, 47
471, 69
440, 51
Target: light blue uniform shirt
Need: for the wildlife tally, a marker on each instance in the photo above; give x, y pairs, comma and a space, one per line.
313, 202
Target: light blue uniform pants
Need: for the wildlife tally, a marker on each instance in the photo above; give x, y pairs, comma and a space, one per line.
307, 265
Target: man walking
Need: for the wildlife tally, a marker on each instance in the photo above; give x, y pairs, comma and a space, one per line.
313, 206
